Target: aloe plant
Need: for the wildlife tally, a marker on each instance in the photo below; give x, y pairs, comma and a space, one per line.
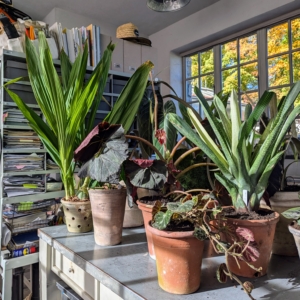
66, 101
244, 157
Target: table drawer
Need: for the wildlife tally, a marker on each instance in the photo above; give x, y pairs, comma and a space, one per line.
80, 281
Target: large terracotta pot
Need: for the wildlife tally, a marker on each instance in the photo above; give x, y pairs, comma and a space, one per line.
108, 208
178, 260
147, 215
284, 243
133, 216
78, 216
296, 234
263, 231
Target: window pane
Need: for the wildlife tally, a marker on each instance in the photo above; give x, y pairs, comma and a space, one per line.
192, 66
250, 98
296, 66
229, 54
248, 48
206, 61
229, 80
190, 84
281, 92
278, 39
296, 33
249, 77
278, 70
207, 82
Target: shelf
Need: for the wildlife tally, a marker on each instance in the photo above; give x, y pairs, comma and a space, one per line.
43, 172
33, 197
5, 103
111, 94
19, 82
16, 127
20, 150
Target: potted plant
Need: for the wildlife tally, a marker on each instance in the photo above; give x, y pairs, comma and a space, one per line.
179, 230
283, 196
294, 227
65, 102
245, 160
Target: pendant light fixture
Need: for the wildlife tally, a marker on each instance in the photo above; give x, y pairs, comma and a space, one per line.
167, 5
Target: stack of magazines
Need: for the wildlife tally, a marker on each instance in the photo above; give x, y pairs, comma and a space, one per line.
21, 139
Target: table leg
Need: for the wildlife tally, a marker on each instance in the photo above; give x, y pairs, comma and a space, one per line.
48, 289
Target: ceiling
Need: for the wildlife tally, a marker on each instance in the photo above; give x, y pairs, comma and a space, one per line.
114, 12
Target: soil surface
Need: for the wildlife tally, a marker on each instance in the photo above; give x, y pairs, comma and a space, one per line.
185, 226
151, 200
262, 214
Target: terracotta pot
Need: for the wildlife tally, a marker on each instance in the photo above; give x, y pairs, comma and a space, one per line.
141, 193
78, 216
178, 260
263, 231
284, 243
296, 234
108, 208
147, 215
133, 216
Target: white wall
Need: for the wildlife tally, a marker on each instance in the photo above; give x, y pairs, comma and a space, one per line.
70, 20
218, 20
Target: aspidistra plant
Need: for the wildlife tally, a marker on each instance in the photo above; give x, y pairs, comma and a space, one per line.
245, 158
64, 101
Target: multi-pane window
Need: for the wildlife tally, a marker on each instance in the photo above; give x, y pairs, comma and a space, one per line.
239, 68
272, 52
200, 73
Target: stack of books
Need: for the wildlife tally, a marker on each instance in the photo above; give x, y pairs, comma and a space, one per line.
73, 40
21, 139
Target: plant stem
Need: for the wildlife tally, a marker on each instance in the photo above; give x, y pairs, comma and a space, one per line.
176, 147
192, 167
147, 143
185, 154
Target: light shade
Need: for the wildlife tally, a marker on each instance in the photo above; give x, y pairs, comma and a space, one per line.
167, 5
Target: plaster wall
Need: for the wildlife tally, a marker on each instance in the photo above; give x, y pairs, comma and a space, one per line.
214, 22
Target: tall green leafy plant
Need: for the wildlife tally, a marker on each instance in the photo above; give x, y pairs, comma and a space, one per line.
245, 158
65, 101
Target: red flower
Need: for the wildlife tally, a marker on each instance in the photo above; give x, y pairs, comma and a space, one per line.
160, 134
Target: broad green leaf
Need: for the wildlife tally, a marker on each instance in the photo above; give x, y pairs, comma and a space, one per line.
161, 219
178, 207
292, 213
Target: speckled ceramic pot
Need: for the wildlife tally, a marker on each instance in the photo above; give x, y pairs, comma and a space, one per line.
78, 216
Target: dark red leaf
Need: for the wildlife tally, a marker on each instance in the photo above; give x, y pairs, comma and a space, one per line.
221, 276
94, 141
161, 136
143, 163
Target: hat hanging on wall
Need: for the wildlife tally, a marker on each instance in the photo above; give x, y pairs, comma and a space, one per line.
167, 5
129, 32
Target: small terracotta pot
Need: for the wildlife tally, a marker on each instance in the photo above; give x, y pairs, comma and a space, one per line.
78, 216
296, 233
178, 260
108, 208
263, 231
133, 216
284, 243
147, 215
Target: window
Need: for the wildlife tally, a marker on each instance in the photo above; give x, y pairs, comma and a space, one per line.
267, 59
200, 73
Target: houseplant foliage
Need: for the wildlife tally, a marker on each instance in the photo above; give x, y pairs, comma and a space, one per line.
66, 101
245, 159
192, 220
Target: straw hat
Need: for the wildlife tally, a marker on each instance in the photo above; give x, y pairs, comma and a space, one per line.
130, 33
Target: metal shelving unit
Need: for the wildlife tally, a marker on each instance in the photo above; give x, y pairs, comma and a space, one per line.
115, 83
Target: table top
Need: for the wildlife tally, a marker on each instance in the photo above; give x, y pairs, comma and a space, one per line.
128, 270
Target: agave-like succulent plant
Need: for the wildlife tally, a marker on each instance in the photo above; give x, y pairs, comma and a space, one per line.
244, 157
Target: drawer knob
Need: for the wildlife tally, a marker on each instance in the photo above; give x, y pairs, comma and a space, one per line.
71, 270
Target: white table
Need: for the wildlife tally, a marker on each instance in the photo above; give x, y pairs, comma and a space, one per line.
127, 272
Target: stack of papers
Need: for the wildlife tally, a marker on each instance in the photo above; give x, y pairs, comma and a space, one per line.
23, 185
13, 116
23, 162
21, 139
51, 164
